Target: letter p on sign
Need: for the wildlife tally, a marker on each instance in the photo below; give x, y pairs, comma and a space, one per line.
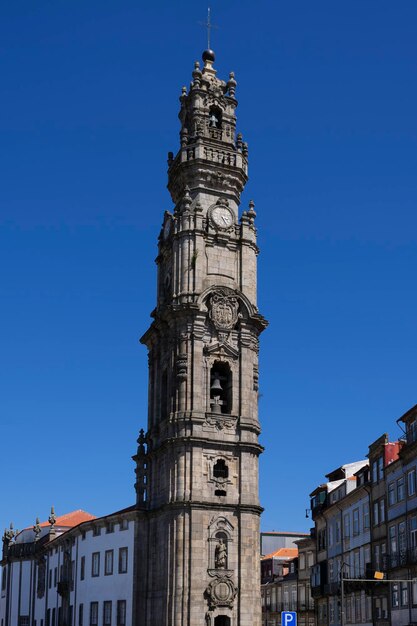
288, 618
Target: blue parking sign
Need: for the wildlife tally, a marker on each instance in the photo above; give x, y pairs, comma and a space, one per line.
288, 618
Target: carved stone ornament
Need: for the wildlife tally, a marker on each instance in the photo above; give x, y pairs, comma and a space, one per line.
221, 421
224, 309
182, 366
221, 591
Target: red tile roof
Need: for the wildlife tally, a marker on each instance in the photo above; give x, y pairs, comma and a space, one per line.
282, 553
71, 519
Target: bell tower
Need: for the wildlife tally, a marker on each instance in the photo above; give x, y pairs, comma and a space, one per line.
197, 538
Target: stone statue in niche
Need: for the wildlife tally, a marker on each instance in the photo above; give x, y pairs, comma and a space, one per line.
220, 555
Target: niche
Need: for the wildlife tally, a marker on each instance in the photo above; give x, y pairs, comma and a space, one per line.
220, 388
215, 117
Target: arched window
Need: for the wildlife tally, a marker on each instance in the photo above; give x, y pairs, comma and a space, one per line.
221, 388
220, 469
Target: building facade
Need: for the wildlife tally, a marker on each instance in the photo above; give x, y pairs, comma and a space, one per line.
75, 571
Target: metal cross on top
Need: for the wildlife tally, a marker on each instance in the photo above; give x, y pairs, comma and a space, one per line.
209, 26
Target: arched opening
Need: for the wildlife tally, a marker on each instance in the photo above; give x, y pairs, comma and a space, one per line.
215, 117
221, 388
220, 469
221, 472
222, 620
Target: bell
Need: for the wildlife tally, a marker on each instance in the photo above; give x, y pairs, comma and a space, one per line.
216, 386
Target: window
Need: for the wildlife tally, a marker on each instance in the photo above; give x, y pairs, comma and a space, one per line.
381, 510
55, 576
330, 535
121, 613
122, 560
53, 623
395, 602
404, 594
106, 613
377, 558
413, 532
93, 613
376, 513
80, 614
381, 468
302, 561
411, 482
331, 570
337, 531
400, 489
391, 494
124, 524
356, 521
402, 540
95, 564
366, 524
108, 562
374, 472
310, 559
50, 579
220, 469
48, 617
393, 539
24, 620
96, 531
346, 526
82, 535
109, 528
82, 568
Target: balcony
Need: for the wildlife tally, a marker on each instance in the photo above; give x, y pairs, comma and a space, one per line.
403, 558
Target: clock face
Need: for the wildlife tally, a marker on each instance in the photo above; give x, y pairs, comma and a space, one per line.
222, 217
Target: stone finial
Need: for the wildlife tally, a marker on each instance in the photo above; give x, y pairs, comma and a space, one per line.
231, 84
197, 74
37, 529
187, 198
52, 518
141, 443
239, 142
9, 534
170, 158
251, 213
245, 150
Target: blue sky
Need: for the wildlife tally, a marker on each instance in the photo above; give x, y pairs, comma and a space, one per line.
88, 111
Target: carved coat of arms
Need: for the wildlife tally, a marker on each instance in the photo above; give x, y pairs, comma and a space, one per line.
223, 310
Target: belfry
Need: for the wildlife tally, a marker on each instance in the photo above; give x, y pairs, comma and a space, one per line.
197, 539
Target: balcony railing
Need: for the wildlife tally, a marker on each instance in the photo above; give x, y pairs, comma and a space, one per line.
401, 558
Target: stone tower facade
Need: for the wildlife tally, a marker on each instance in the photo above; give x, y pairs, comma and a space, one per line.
197, 539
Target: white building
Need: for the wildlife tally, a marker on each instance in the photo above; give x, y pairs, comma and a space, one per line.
77, 570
